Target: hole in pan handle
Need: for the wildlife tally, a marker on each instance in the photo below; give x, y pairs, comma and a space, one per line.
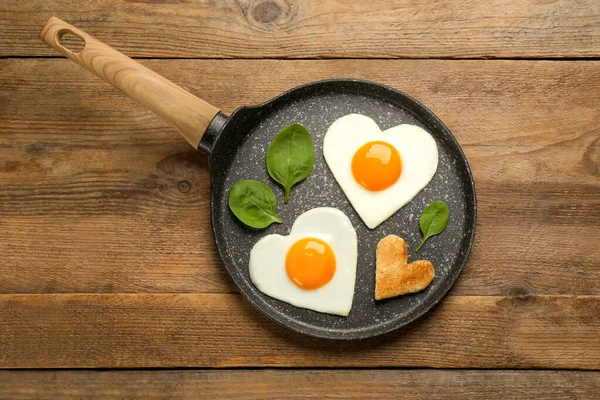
189, 114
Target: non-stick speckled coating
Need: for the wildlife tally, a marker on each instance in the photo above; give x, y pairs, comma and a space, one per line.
239, 153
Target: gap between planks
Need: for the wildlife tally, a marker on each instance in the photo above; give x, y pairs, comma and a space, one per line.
431, 58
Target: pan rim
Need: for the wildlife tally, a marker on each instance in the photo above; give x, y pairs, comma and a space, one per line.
368, 331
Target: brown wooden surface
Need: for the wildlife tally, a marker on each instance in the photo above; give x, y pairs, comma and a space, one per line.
106, 254
286, 384
325, 28
188, 114
223, 330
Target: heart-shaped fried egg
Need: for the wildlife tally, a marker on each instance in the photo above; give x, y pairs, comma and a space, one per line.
379, 171
314, 267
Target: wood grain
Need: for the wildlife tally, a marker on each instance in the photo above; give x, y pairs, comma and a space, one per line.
282, 384
303, 28
530, 104
97, 195
181, 330
187, 113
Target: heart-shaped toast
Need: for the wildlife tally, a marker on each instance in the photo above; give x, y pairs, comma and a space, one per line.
393, 276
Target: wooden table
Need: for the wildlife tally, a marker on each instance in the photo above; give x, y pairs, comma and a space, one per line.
107, 258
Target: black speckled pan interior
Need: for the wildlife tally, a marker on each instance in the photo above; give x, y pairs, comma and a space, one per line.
238, 146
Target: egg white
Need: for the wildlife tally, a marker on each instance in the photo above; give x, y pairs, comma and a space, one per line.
418, 151
267, 262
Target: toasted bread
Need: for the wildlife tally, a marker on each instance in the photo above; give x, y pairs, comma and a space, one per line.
393, 276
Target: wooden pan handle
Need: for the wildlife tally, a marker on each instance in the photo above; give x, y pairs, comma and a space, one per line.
186, 112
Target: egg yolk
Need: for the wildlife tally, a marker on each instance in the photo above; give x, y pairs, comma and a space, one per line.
310, 263
376, 165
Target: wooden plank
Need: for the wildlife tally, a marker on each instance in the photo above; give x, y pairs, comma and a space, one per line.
302, 28
532, 104
185, 330
290, 384
124, 200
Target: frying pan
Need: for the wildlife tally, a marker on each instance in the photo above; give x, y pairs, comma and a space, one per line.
237, 145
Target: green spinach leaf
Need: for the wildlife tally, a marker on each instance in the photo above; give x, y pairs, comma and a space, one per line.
433, 220
291, 156
253, 203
